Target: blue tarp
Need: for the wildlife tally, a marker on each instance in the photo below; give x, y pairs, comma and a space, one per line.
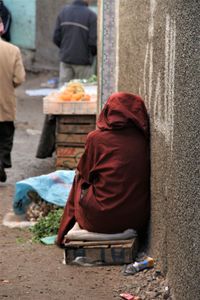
53, 188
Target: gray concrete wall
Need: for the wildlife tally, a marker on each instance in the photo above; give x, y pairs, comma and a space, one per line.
158, 57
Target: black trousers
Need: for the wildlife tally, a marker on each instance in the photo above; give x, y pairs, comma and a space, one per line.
7, 130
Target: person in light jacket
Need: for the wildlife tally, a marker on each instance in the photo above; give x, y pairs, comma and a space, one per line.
12, 74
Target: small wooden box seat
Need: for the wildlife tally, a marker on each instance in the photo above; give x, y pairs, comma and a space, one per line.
113, 252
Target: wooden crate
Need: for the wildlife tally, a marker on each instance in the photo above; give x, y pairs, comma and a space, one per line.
105, 252
71, 134
68, 157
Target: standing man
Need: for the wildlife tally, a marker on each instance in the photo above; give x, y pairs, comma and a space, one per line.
76, 36
12, 74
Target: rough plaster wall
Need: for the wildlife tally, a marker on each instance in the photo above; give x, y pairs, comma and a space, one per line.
159, 59
184, 226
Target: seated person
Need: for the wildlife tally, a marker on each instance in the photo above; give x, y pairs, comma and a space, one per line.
110, 192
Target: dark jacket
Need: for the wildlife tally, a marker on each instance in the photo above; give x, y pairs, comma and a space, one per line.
76, 33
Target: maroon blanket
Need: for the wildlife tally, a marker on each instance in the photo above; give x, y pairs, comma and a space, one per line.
110, 193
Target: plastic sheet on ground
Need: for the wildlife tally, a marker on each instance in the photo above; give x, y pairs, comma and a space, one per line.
53, 188
49, 240
40, 92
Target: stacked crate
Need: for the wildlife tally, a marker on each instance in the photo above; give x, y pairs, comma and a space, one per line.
71, 133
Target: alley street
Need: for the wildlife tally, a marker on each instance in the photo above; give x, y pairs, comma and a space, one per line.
34, 271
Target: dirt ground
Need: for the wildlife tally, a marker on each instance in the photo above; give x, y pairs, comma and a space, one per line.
34, 271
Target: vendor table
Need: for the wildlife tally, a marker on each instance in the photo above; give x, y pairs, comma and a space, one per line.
74, 120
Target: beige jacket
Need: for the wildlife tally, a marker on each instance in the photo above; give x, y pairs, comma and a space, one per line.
12, 74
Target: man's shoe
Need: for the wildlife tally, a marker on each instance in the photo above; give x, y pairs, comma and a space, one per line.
3, 175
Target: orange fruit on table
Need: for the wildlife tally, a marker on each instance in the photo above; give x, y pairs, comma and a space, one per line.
77, 96
86, 97
65, 96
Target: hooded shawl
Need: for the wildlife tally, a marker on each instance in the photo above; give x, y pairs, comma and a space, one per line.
110, 192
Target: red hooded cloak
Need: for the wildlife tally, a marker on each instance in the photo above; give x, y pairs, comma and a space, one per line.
113, 172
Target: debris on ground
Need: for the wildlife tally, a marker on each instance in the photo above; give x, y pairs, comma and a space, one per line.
51, 83
149, 284
137, 266
127, 296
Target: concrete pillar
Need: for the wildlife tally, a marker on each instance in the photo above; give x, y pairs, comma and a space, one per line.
107, 62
